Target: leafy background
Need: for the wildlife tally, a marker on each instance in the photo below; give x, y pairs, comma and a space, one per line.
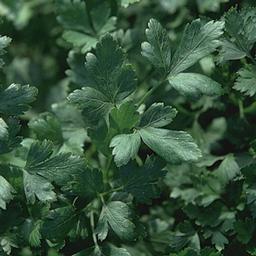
72, 183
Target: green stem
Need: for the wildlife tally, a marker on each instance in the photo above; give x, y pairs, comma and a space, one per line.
112, 190
150, 92
241, 109
138, 160
106, 171
252, 59
16, 162
250, 109
94, 237
102, 199
183, 110
91, 21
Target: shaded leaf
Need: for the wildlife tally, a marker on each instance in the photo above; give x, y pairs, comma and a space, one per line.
81, 23
58, 223
141, 182
15, 99
8, 135
87, 183
219, 240
244, 230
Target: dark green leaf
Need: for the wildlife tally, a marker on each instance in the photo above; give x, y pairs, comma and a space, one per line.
157, 49
230, 51
106, 250
35, 235
244, 230
58, 223
240, 26
141, 182
8, 135
72, 126
94, 104
124, 118
219, 240
107, 80
58, 168
87, 183
15, 99
82, 26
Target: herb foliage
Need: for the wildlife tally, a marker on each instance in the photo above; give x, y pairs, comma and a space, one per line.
127, 128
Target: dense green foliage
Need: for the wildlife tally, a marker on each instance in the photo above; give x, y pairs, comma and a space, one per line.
128, 127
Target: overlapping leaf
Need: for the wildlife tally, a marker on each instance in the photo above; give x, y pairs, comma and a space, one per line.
157, 115
87, 183
241, 29
193, 85
246, 82
8, 135
173, 146
126, 146
4, 42
126, 3
42, 168
106, 250
36, 186
199, 40
117, 216
141, 182
6, 192
81, 23
59, 222
15, 99
47, 126
227, 170
157, 49
107, 80
58, 168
